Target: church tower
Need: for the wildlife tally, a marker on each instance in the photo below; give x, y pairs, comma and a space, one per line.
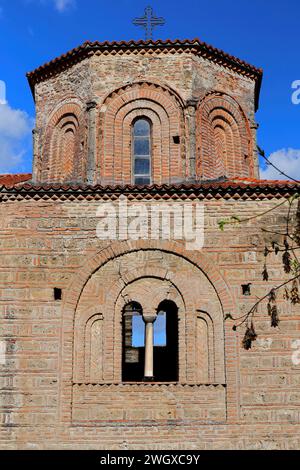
159, 112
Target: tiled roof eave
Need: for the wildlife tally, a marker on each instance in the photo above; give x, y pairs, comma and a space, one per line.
11, 179
216, 190
197, 46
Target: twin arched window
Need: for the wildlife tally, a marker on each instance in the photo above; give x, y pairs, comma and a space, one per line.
164, 355
141, 148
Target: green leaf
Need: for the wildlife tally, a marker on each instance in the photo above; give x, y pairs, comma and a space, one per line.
295, 267
221, 224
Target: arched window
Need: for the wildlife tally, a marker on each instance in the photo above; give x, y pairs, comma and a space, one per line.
164, 348
166, 343
133, 343
64, 146
141, 147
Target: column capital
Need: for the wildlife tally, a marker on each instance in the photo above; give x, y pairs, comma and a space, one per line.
92, 104
192, 103
149, 317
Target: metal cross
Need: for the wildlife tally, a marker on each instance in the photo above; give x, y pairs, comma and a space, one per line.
149, 22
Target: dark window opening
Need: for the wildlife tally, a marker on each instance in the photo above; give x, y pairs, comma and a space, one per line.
165, 357
176, 139
165, 343
160, 331
141, 150
246, 288
133, 343
57, 293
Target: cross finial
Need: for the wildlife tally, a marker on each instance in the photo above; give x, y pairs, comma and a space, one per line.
149, 21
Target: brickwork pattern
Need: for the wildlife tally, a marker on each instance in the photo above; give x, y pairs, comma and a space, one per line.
54, 244
63, 147
224, 145
61, 358
202, 119
165, 113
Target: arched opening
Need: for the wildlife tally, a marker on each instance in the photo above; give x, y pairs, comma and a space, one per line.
141, 149
164, 347
124, 110
224, 139
166, 343
132, 343
200, 345
68, 152
63, 148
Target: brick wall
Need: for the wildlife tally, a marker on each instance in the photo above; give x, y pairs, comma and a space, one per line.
249, 399
202, 118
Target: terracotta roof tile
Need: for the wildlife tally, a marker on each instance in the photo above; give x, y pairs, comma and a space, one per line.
205, 50
263, 181
11, 180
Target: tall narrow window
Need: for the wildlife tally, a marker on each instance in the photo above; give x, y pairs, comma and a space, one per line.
133, 343
142, 151
166, 343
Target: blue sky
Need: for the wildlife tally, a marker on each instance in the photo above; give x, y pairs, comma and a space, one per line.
262, 32
159, 330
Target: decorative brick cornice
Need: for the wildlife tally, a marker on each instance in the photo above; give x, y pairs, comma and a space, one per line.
128, 385
194, 46
237, 188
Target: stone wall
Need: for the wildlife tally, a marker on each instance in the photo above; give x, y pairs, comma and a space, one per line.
202, 117
92, 404
53, 244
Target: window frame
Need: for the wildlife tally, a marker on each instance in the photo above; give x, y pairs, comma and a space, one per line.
142, 157
132, 371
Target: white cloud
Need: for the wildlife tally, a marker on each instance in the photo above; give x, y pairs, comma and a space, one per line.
2, 92
60, 5
15, 135
63, 5
287, 160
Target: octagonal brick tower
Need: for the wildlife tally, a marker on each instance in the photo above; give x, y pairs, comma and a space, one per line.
199, 102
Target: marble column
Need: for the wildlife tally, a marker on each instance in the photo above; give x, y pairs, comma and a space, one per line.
149, 320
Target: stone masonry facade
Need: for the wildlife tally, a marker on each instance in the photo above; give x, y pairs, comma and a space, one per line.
63, 290
202, 114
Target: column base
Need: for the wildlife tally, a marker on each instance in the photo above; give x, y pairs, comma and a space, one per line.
148, 379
